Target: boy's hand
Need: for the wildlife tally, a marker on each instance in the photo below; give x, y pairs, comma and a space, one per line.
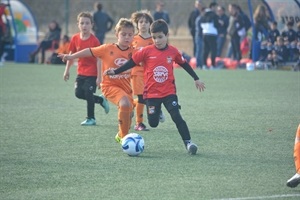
109, 72
64, 57
66, 75
200, 85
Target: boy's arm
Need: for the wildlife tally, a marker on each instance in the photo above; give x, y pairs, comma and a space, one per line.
80, 54
99, 77
67, 69
128, 65
199, 84
189, 70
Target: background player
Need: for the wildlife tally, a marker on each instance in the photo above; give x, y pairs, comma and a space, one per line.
160, 86
116, 88
142, 20
88, 70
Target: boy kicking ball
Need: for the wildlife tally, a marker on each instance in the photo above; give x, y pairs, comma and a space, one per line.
159, 79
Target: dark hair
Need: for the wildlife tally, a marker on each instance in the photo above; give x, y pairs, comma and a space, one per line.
213, 4
290, 23
274, 23
98, 5
65, 37
136, 16
159, 26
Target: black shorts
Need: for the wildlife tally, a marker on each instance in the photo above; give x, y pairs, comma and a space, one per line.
86, 83
154, 106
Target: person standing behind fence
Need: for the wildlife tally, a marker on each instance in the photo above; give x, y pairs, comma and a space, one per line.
223, 20
209, 24
236, 24
192, 23
102, 22
160, 13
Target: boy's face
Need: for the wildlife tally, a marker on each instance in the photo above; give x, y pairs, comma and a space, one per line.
143, 25
160, 39
273, 26
125, 37
85, 25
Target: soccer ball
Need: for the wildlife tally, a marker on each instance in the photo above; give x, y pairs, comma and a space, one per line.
133, 144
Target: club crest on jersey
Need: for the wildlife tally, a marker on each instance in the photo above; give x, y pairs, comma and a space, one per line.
151, 110
169, 59
160, 74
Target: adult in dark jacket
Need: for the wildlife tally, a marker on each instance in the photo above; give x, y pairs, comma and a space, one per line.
102, 22
235, 30
209, 24
192, 22
51, 38
223, 21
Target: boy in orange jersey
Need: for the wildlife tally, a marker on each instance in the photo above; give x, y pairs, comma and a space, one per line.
159, 79
295, 180
88, 70
116, 88
142, 20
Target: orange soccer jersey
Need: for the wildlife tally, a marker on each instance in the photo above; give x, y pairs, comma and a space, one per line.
138, 43
113, 57
86, 66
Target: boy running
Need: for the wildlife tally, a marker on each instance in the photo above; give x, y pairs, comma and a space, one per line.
295, 180
159, 79
142, 20
116, 88
88, 70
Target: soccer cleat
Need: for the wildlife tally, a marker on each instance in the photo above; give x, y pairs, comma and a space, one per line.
191, 148
162, 117
294, 181
141, 127
88, 122
118, 138
104, 104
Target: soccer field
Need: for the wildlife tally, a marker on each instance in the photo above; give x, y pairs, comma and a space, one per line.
244, 125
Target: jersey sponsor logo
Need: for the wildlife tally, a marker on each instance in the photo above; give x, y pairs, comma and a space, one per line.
160, 74
120, 76
120, 61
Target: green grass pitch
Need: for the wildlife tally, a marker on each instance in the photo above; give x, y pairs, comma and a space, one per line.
244, 124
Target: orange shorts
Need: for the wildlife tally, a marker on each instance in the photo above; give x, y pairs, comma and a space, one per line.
137, 83
115, 94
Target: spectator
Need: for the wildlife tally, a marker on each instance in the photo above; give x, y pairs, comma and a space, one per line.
160, 13
223, 21
289, 33
261, 23
273, 33
298, 31
102, 22
192, 23
62, 49
51, 40
280, 53
247, 22
209, 25
199, 40
235, 30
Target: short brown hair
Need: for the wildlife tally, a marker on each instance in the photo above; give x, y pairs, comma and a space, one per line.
124, 23
85, 14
